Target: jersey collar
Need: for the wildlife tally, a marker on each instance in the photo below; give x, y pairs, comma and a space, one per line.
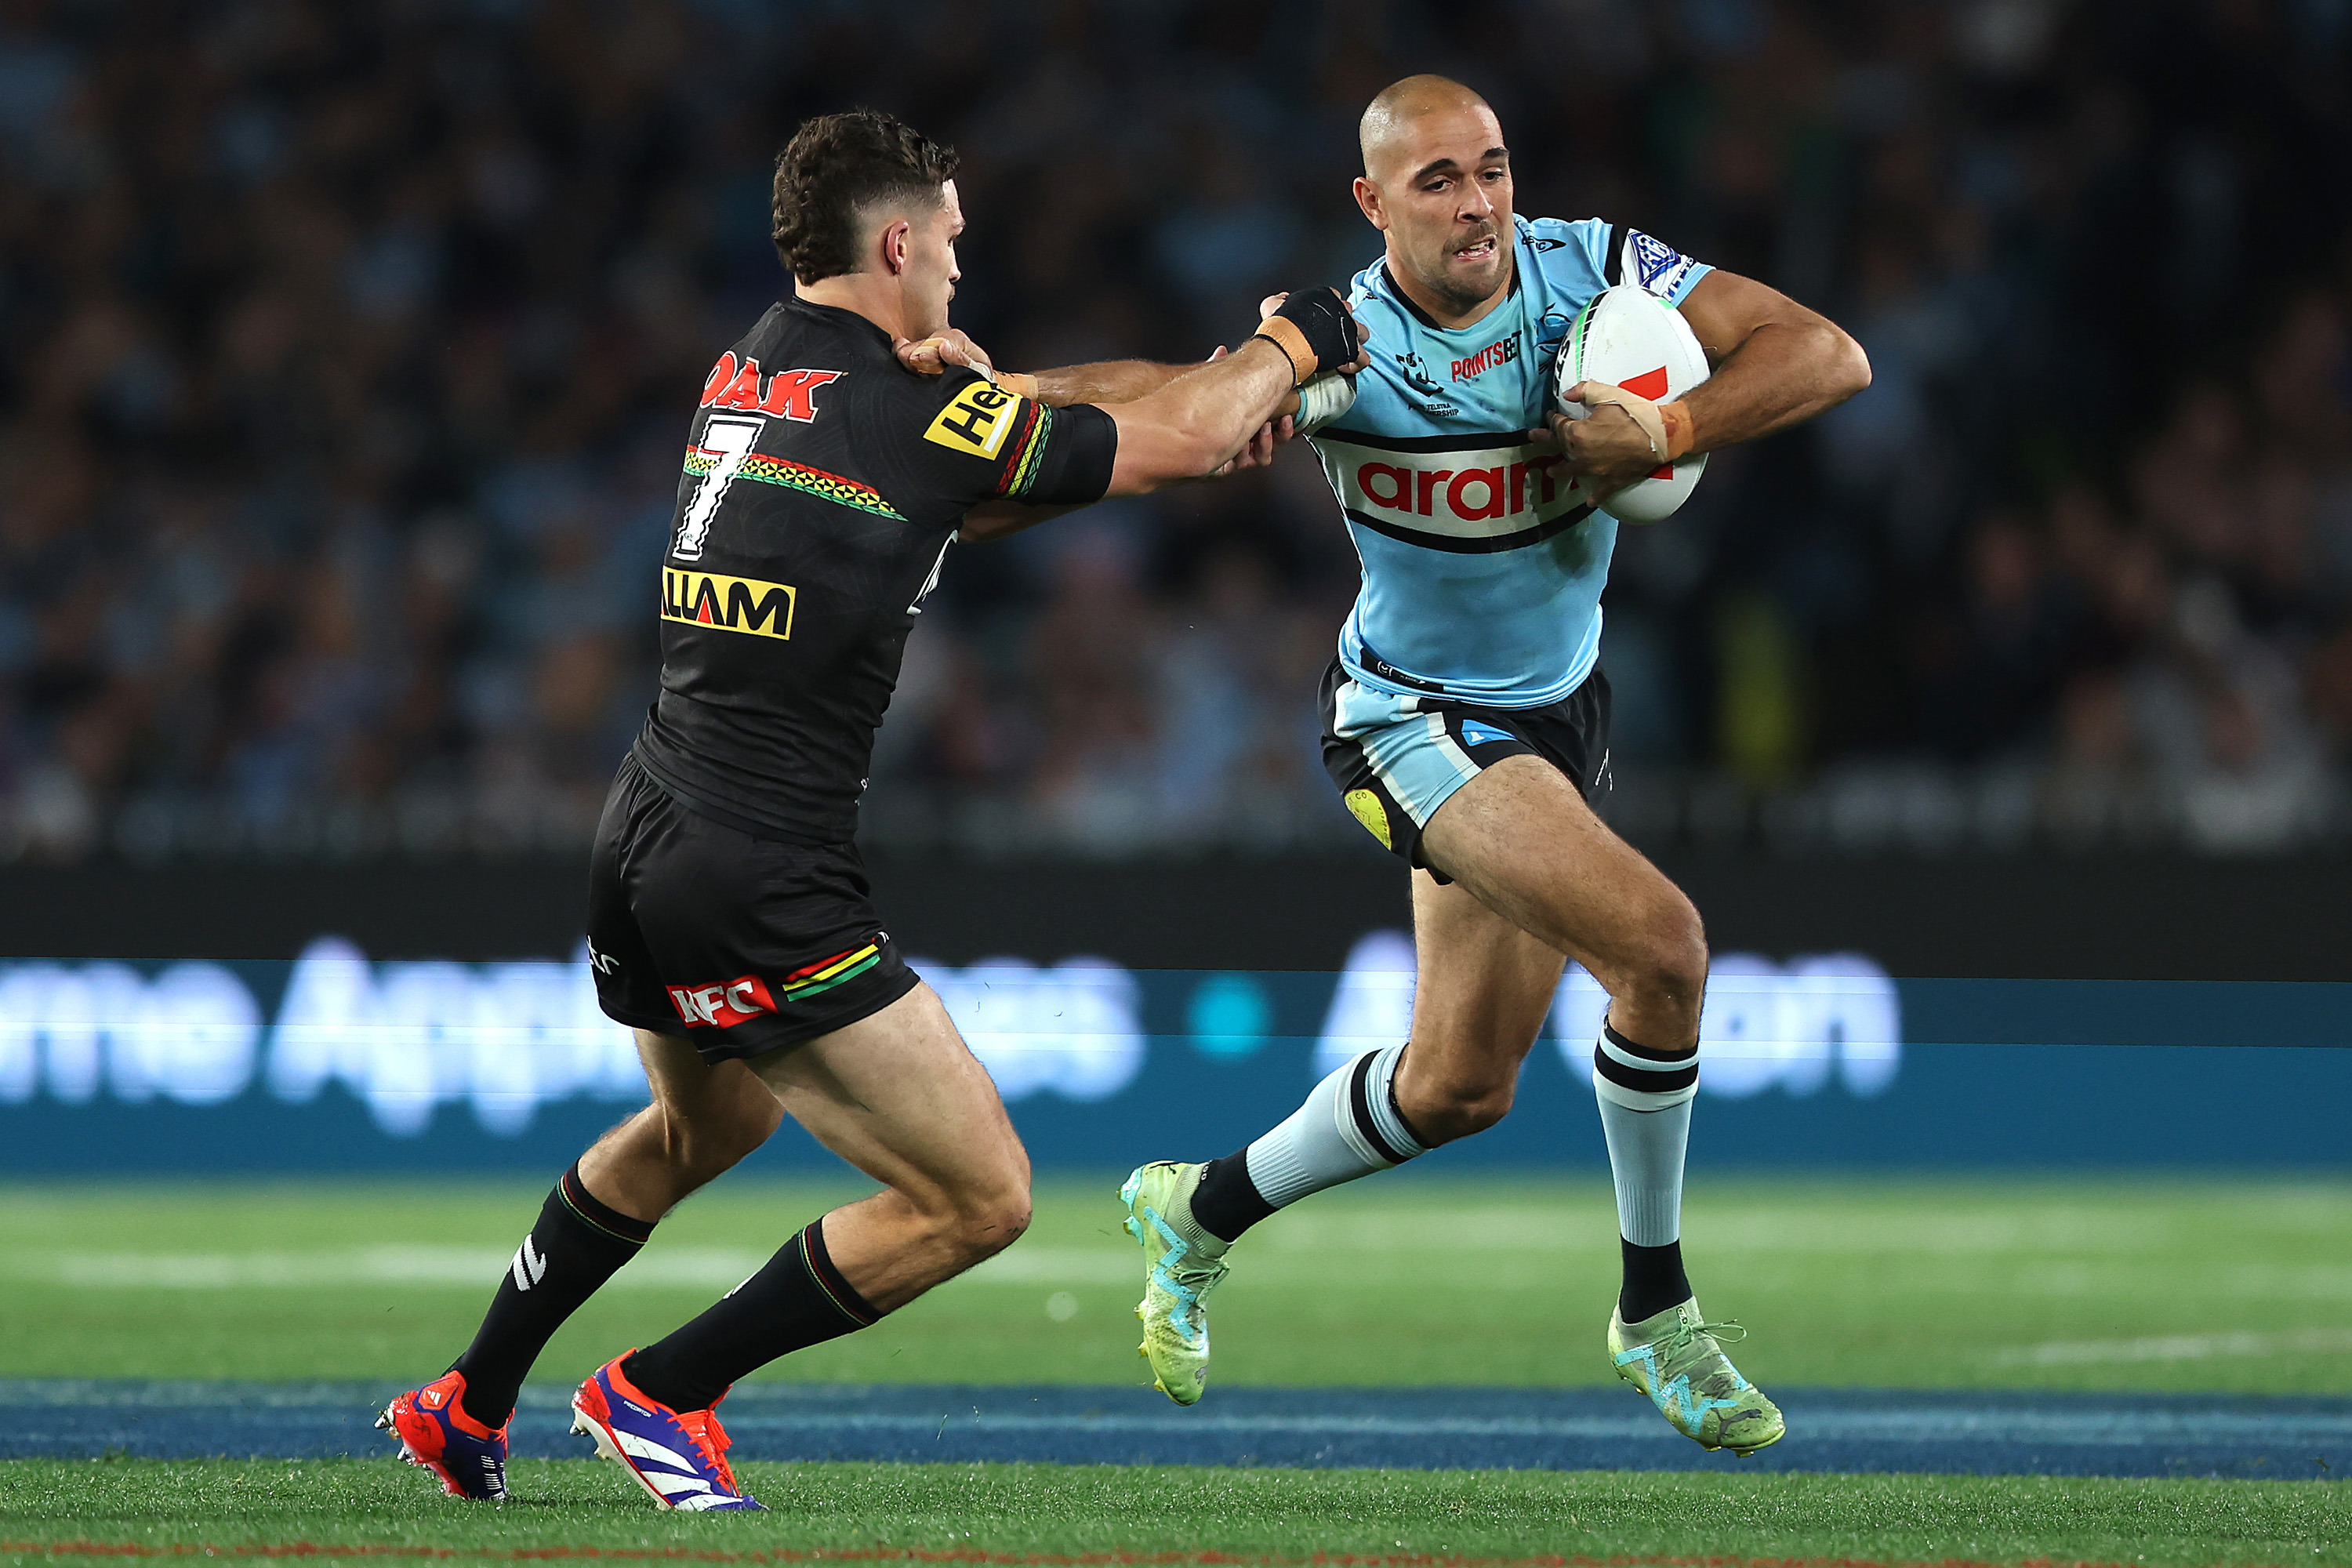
835, 315
1388, 282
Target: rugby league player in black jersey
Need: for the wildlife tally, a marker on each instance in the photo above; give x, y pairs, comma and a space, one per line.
728, 919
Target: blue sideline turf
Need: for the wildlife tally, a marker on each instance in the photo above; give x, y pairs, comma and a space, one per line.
1415, 1428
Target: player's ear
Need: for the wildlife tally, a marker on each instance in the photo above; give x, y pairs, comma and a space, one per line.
894, 244
1368, 197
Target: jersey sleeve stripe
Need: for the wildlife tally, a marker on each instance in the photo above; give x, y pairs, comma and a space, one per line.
1028, 448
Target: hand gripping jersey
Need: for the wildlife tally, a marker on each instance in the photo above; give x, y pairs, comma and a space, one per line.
824, 483
1482, 574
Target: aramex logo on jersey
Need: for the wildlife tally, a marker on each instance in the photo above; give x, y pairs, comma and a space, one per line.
729, 603
1467, 498
975, 421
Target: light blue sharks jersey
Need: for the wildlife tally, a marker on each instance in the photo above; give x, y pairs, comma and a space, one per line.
1482, 569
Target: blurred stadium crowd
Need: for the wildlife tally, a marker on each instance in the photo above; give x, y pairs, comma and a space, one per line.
348, 347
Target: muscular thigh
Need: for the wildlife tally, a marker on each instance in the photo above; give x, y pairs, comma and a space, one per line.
1521, 842
1483, 991
898, 1096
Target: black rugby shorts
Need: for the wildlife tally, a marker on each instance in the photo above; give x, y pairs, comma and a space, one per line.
736, 943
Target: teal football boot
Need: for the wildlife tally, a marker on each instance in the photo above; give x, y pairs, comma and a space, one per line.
1675, 1358
1177, 1279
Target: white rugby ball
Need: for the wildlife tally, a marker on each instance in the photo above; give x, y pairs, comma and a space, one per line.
1629, 337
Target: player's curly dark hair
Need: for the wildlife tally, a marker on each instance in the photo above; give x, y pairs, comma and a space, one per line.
834, 169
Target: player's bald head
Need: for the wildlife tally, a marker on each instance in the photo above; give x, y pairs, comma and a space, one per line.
1437, 181
1394, 122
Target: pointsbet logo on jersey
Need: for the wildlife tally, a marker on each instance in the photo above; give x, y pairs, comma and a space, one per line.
729, 603
1502, 352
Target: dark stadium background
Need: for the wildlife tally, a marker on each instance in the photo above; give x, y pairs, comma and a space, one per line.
346, 351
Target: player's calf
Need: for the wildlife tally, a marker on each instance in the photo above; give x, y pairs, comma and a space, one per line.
932, 1236
705, 1119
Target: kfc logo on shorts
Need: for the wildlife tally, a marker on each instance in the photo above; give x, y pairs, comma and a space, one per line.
721, 1006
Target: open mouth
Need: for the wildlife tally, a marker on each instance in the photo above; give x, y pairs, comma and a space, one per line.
1481, 249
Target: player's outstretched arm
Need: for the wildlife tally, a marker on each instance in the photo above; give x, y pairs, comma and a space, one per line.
1230, 413
1108, 381
1104, 382
1775, 363
997, 520
1211, 415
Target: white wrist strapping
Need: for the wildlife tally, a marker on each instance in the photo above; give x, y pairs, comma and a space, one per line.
1324, 398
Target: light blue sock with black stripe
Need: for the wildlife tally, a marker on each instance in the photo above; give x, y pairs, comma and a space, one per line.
1348, 1127
1646, 1112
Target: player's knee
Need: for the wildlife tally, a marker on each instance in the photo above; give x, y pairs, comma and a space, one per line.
1476, 1112
986, 1224
712, 1140
984, 1216
1668, 975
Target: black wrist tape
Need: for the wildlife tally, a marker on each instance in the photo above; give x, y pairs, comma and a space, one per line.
1321, 326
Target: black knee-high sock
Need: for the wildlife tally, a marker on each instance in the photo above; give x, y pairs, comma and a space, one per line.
577, 1244
799, 1299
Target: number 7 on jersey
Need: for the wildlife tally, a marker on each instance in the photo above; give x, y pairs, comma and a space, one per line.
725, 444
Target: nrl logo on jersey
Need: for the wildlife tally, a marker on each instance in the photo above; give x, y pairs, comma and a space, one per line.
786, 394
1416, 375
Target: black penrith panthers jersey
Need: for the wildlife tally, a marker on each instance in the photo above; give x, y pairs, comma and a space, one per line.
824, 484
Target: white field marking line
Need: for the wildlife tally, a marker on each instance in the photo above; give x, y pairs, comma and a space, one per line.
2177, 1347
473, 1269
2067, 1231
2145, 1276
2129, 1428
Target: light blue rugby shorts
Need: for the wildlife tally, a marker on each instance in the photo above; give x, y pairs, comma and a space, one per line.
1397, 759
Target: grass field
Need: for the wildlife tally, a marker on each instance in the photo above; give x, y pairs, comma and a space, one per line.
2114, 1284
2117, 1284
1057, 1513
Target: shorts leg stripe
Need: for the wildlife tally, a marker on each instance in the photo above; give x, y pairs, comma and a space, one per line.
1441, 737
834, 977
1420, 770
